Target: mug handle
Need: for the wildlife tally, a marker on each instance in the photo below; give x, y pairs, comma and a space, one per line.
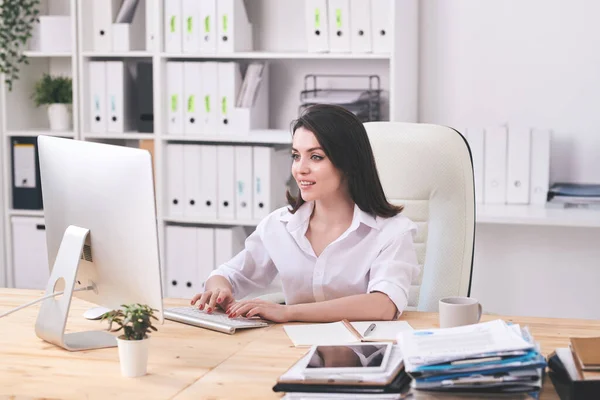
480, 311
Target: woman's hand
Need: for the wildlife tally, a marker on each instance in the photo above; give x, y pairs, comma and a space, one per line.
261, 308
221, 297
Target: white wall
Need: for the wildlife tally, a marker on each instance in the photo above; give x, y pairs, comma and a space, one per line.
521, 62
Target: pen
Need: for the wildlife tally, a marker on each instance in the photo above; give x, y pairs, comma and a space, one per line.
369, 329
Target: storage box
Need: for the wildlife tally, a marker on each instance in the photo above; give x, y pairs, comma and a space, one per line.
52, 34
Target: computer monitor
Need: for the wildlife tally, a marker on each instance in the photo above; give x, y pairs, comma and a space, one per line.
101, 233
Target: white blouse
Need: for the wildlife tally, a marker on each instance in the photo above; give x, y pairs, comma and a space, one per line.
373, 254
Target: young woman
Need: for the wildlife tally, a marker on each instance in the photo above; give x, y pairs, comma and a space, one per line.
341, 250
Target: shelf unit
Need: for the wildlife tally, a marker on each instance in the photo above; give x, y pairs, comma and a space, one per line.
537, 216
279, 41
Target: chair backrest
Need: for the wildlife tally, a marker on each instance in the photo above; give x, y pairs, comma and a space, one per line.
428, 169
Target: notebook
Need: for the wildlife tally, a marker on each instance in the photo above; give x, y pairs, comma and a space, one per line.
343, 332
587, 350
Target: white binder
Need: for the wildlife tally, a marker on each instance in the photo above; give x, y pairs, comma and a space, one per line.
151, 29
496, 139
476, 138
360, 25
205, 254
119, 87
173, 26
210, 93
518, 160
104, 13
192, 95
98, 113
243, 182
338, 13
208, 180
208, 31
317, 26
191, 26
381, 15
226, 183
192, 167
540, 166
230, 80
272, 169
175, 98
30, 256
234, 31
228, 243
182, 278
175, 180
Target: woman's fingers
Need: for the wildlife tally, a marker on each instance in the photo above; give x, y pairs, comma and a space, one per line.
213, 300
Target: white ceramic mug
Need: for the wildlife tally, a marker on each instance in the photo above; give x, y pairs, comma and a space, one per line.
458, 311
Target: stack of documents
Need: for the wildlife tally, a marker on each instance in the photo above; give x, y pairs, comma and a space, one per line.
491, 357
574, 195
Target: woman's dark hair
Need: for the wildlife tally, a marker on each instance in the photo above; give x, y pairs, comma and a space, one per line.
344, 140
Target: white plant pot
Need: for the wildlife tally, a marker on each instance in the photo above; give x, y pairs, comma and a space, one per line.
133, 357
59, 116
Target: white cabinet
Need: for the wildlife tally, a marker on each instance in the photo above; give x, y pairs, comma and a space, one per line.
30, 258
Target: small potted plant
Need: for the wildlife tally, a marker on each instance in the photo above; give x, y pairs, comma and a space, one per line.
136, 322
57, 93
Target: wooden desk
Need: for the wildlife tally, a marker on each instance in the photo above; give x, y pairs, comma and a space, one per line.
185, 362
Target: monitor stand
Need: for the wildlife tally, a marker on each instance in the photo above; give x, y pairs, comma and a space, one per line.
54, 311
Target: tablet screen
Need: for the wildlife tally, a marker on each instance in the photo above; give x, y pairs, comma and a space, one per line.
348, 356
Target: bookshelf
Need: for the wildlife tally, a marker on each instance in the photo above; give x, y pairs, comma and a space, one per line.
278, 39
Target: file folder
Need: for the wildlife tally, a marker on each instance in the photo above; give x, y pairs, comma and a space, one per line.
226, 182
192, 95
381, 14
173, 26
209, 82
119, 91
191, 25
175, 180
476, 138
192, 167
317, 26
208, 181
26, 182
208, 29
360, 25
496, 139
339, 25
145, 97
98, 100
175, 98
228, 243
272, 169
243, 182
30, 256
234, 31
517, 172
205, 254
230, 80
126, 37
104, 13
151, 28
540, 166
181, 254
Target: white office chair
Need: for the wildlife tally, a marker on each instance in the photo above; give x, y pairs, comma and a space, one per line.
428, 169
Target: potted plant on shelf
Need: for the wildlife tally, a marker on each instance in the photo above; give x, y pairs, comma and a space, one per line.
17, 18
57, 93
136, 322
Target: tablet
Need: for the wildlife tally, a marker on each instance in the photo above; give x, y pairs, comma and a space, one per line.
348, 358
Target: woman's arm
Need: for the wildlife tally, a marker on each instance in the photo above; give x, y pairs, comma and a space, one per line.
361, 307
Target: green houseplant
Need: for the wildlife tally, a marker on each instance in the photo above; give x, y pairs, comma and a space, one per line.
57, 93
17, 18
136, 322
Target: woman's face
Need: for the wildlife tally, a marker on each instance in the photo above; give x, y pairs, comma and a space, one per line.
313, 171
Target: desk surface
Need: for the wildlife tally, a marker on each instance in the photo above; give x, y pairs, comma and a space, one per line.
184, 362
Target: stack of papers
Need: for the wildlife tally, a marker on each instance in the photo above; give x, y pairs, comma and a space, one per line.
488, 357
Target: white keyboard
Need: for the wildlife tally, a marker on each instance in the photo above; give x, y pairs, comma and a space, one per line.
217, 320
